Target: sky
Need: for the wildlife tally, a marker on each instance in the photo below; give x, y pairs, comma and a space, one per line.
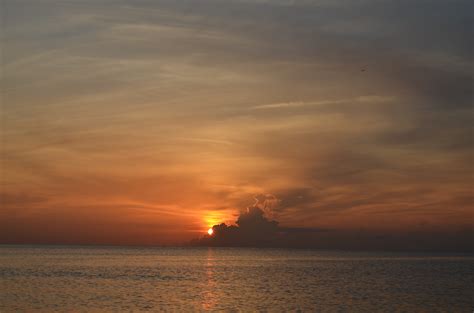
147, 122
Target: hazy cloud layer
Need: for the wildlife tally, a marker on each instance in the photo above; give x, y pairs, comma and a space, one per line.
354, 115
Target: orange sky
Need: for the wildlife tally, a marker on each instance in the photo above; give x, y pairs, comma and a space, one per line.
148, 122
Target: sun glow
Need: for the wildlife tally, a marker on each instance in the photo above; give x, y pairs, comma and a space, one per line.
210, 231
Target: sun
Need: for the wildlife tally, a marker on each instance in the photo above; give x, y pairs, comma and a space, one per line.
210, 231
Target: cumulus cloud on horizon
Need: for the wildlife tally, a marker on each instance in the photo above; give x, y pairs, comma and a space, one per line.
255, 227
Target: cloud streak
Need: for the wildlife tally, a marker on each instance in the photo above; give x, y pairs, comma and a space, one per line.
292, 104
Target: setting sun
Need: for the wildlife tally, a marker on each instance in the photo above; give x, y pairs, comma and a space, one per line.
210, 231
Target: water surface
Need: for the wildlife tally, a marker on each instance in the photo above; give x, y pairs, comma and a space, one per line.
45, 278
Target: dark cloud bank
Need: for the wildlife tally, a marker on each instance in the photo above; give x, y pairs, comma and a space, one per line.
254, 228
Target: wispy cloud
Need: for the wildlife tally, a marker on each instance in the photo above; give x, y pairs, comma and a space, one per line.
290, 104
193, 107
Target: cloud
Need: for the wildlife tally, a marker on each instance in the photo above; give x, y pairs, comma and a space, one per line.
293, 104
265, 96
267, 203
254, 228
324, 103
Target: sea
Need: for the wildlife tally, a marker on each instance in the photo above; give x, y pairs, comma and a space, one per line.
132, 279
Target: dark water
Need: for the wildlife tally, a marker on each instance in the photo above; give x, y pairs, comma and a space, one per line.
154, 279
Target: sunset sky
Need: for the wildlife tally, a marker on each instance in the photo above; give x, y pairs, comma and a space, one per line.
147, 122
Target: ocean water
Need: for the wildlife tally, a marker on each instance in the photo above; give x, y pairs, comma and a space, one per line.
48, 279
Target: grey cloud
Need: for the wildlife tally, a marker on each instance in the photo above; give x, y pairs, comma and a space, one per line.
255, 226
252, 229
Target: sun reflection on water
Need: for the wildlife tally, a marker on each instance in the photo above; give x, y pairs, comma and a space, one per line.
210, 300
